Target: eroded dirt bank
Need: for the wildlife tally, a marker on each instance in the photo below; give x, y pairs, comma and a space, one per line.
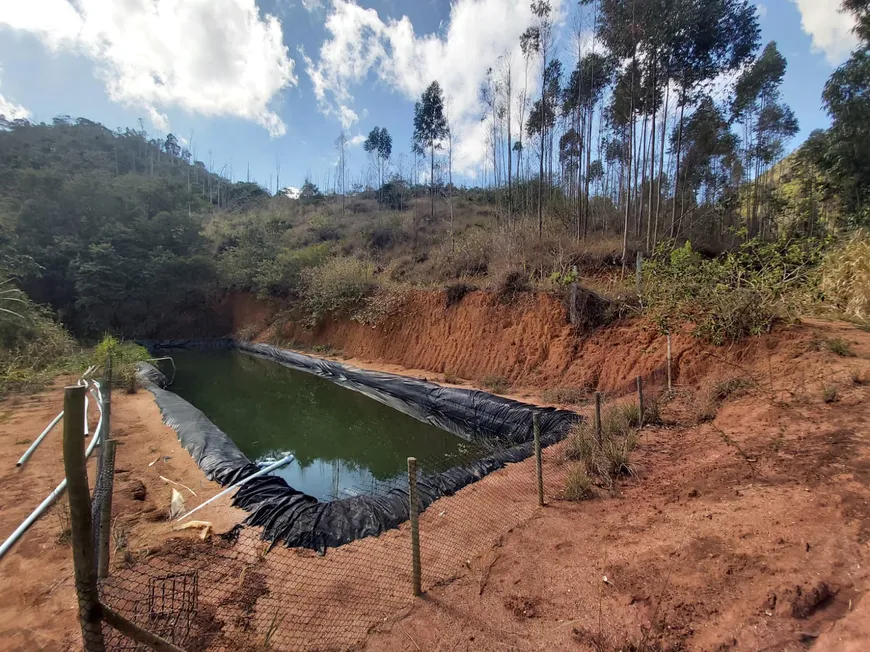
530, 342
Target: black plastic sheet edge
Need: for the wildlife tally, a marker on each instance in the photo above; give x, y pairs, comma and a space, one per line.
300, 520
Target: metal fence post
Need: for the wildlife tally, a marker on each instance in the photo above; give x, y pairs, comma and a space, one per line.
598, 416
640, 400
90, 612
107, 475
413, 506
536, 429
105, 480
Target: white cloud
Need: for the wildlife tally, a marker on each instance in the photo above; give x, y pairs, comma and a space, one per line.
360, 43
12, 111
208, 57
312, 5
830, 29
357, 140
762, 10
347, 116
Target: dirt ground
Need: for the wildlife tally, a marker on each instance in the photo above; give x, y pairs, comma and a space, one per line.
745, 527
749, 530
38, 609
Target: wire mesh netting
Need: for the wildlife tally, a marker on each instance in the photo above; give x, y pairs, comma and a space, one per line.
238, 592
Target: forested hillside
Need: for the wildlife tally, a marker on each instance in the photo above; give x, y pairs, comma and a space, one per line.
669, 128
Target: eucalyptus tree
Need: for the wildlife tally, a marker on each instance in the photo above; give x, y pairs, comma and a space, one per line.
538, 39
430, 128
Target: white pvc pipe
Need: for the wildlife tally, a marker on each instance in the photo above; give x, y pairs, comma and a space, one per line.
87, 432
39, 439
268, 469
45, 504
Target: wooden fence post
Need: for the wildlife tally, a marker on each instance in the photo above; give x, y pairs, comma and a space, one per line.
640, 399
90, 611
598, 416
413, 505
670, 376
539, 471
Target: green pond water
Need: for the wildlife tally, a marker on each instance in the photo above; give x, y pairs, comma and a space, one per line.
344, 442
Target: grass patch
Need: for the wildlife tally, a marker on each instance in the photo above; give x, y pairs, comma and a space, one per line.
609, 457
566, 395
578, 484
830, 393
33, 347
495, 384
732, 387
451, 379
840, 347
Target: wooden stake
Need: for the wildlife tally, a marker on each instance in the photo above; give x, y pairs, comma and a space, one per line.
670, 376
640, 398
413, 507
90, 612
598, 416
536, 429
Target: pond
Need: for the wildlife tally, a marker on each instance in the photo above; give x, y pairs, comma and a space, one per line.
344, 442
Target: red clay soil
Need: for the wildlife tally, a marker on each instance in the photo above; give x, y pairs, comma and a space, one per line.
38, 609
747, 531
745, 526
528, 342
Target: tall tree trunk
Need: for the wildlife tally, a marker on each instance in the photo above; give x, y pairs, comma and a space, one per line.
630, 157
652, 157
642, 149
677, 173
432, 181
661, 167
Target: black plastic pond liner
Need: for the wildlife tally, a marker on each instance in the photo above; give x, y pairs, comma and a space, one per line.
300, 520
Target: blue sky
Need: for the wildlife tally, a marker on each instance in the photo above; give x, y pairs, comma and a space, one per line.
276, 81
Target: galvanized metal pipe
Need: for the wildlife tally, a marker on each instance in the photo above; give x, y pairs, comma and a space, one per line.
12, 539
268, 469
39, 439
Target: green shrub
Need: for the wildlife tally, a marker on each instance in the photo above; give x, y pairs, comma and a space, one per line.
383, 303
33, 347
735, 295
495, 384
336, 287
578, 484
284, 274
125, 355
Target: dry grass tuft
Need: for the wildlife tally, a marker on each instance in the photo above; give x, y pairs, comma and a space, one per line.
840, 347
495, 384
609, 457
846, 276
578, 484
830, 393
